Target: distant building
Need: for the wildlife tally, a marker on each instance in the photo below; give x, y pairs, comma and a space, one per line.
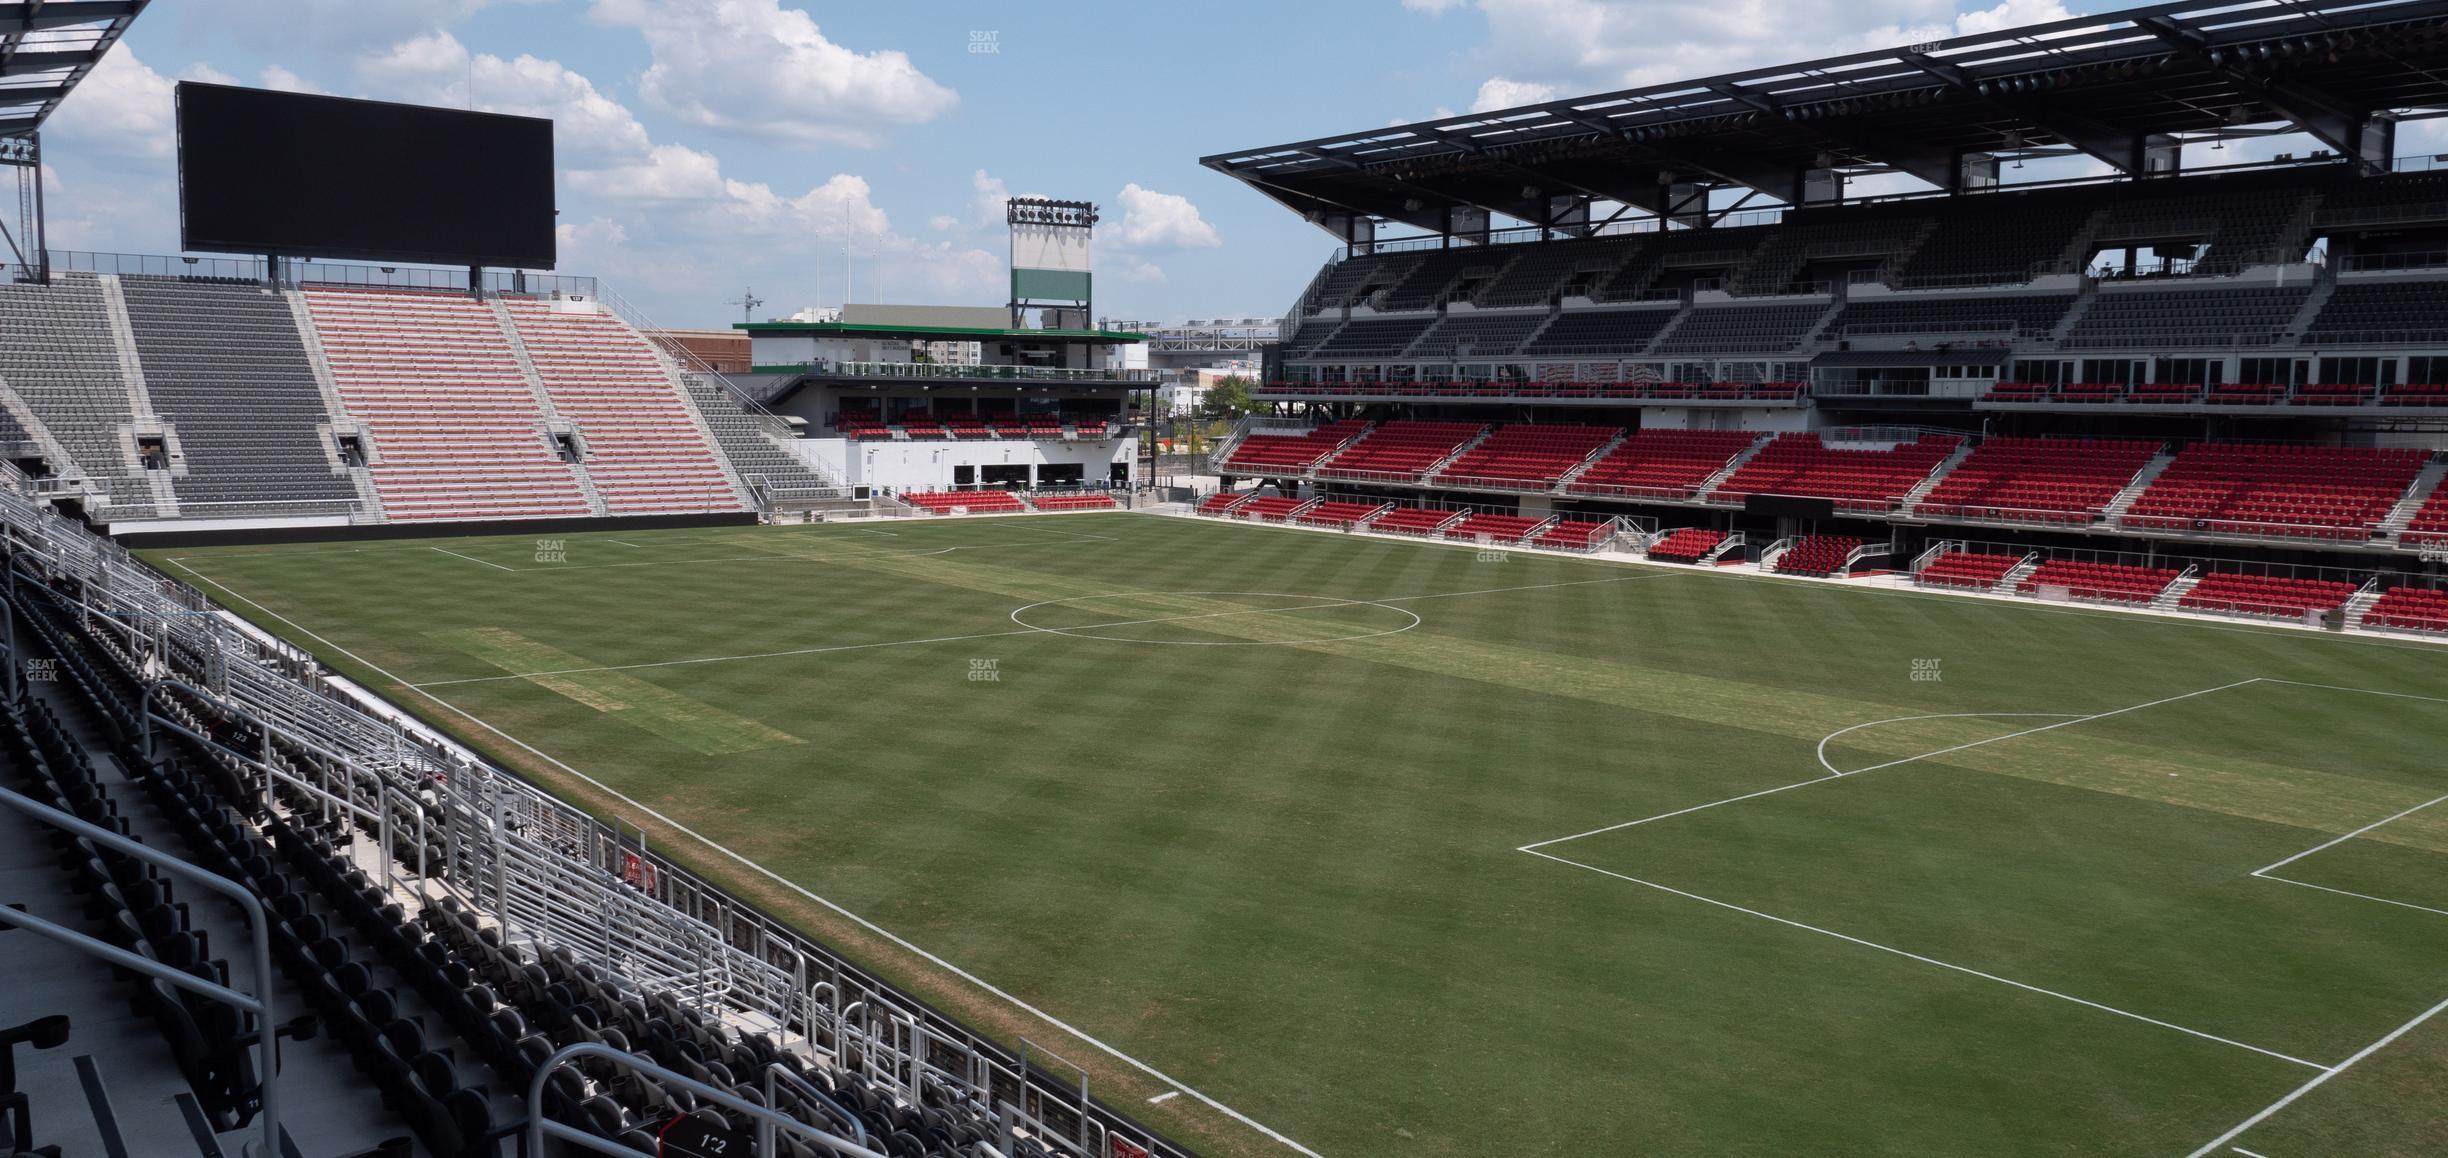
726, 351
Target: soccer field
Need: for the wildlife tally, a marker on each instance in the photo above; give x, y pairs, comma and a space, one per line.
1394, 848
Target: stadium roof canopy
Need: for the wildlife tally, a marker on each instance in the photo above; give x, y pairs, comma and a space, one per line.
2126, 88
46, 47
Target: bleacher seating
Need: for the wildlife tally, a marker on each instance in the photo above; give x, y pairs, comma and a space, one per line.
1666, 464
2274, 596
1600, 333
1268, 508
1336, 513
1869, 478
1820, 555
2410, 609
1269, 451
2000, 238
227, 371
2154, 316
1688, 545
1996, 316
1425, 284
458, 432
644, 453
2100, 582
963, 426
1501, 529
2284, 491
2334, 394
1477, 335
2041, 480
751, 442
1222, 503
2380, 313
1373, 338
1073, 501
1975, 570
1419, 521
1760, 329
1544, 272
1526, 456
1404, 450
977, 502
59, 358
1574, 535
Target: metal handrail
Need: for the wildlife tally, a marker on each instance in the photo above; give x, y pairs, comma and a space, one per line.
266, 1029
539, 1127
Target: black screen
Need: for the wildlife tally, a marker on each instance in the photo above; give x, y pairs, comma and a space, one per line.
327, 177
1788, 507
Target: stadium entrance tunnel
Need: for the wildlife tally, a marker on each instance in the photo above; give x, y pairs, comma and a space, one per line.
1216, 618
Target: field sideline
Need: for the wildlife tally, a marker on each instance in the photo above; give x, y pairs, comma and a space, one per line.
1370, 847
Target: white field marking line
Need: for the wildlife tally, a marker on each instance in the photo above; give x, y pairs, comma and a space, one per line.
2247, 1153
753, 866
1964, 969
2359, 896
2025, 605
2064, 723
983, 635
2362, 691
2315, 1083
474, 559
1833, 770
1080, 632
2329, 844
625, 543
1166, 1096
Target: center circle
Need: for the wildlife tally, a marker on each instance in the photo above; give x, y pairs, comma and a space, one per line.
1293, 604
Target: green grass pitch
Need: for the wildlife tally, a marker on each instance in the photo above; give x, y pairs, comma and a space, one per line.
1298, 820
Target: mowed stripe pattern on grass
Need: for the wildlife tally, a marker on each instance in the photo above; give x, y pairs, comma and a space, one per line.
1285, 874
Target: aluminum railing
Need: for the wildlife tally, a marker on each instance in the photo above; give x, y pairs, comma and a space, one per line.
546, 871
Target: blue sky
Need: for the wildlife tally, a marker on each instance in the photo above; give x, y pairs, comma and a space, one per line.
707, 145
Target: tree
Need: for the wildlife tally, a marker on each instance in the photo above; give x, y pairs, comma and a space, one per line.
1230, 397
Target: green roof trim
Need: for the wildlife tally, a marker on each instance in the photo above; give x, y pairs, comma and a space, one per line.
938, 333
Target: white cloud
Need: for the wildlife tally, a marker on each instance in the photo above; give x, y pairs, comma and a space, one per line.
1500, 93
1570, 46
943, 223
280, 79
123, 108
435, 69
756, 69
206, 73
1152, 220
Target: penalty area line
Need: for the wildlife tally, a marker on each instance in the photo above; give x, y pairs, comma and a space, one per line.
1947, 965
2238, 1131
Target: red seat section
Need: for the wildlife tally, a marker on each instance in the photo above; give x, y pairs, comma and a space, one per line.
1274, 452
2430, 524
1080, 501
1526, 456
1978, 570
1269, 508
2266, 595
1414, 521
1870, 478
962, 427
1689, 545
1338, 514
2313, 492
644, 450
1400, 450
1573, 535
2110, 582
1497, 528
968, 502
457, 429
2044, 480
2410, 609
1663, 464
1821, 555
1221, 502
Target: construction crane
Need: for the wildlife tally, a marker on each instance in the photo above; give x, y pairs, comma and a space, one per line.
748, 303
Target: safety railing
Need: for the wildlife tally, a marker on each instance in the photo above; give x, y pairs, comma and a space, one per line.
545, 871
